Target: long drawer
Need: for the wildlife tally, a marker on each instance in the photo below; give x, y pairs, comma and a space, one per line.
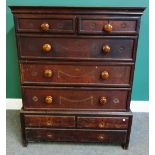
74, 98
76, 48
76, 135
75, 74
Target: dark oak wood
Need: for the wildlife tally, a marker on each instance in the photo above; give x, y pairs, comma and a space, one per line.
23, 130
78, 113
56, 24
49, 121
77, 10
126, 144
94, 113
74, 98
103, 122
52, 121
30, 46
73, 135
36, 132
93, 25
76, 72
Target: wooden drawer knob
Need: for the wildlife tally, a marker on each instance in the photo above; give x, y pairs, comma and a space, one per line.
101, 137
101, 125
106, 49
45, 27
49, 123
108, 28
104, 75
49, 135
48, 73
103, 100
49, 99
47, 48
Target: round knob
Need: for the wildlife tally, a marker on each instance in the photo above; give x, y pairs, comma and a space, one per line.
45, 27
101, 125
103, 100
106, 49
48, 73
47, 47
108, 28
49, 123
48, 99
49, 135
104, 75
101, 137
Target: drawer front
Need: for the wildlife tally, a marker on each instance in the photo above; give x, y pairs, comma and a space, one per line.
55, 24
70, 48
49, 121
75, 135
75, 74
74, 98
103, 122
99, 25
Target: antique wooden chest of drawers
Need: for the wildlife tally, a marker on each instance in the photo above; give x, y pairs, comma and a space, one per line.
76, 68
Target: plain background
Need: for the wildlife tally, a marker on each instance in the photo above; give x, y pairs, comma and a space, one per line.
141, 78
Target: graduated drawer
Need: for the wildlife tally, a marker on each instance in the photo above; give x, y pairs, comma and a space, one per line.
76, 98
46, 24
76, 48
108, 25
76, 135
49, 121
75, 74
103, 122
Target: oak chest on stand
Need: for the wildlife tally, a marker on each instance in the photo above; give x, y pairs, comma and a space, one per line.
76, 70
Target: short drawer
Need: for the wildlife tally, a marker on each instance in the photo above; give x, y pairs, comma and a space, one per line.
103, 25
47, 47
76, 98
103, 122
55, 24
49, 121
76, 135
75, 74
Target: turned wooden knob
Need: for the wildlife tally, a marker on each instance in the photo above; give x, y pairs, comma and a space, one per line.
49, 123
45, 27
101, 137
49, 135
101, 125
108, 28
104, 75
46, 47
103, 100
48, 73
106, 49
48, 99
